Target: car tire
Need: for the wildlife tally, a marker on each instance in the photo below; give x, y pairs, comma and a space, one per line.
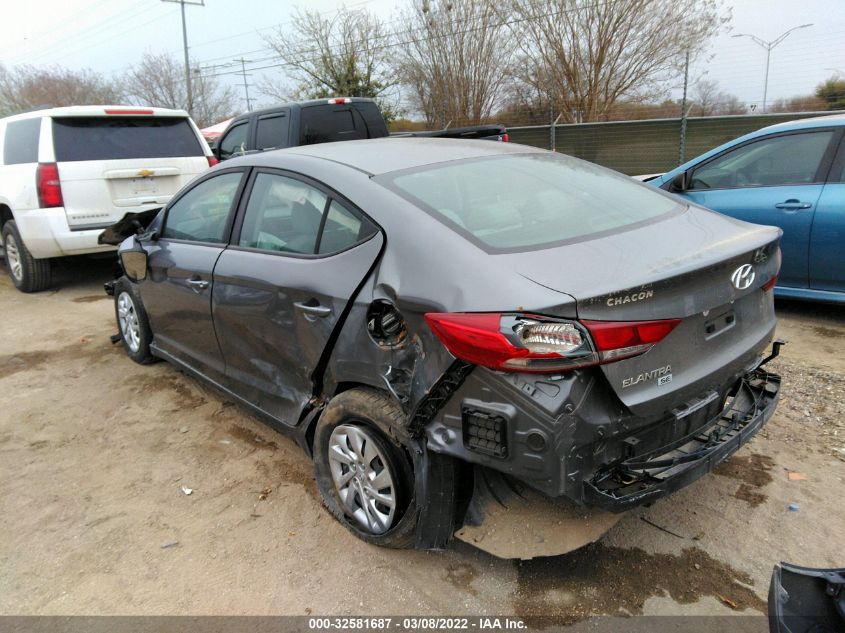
27, 273
368, 415
132, 322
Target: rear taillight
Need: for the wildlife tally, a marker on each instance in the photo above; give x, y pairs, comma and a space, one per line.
527, 343
48, 185
505, 137
774, 280
615, 340
212, 161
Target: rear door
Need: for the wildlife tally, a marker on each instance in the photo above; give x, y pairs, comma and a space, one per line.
827, 266
282, 287
111, 165
177, 291
774, 180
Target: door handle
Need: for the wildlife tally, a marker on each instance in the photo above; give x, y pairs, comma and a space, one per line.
198, 284
314, 309
793, 204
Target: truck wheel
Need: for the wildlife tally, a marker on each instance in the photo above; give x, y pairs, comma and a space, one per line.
28, 273
132, 322
364, 475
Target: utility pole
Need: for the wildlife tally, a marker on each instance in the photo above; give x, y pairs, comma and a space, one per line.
768, 46
246, 85
683, 144
200, 3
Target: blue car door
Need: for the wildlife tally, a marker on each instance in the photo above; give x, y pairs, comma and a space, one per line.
827, 264
775, 180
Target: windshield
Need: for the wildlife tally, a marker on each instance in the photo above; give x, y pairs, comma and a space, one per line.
529, 201
108, 138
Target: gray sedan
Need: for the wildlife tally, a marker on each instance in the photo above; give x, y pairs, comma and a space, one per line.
462, 332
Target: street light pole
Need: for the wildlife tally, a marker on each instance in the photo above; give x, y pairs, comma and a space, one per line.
769, 46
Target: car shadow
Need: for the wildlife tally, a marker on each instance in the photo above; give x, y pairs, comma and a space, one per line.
811, 311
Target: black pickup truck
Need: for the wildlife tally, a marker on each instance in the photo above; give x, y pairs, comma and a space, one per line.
323, 121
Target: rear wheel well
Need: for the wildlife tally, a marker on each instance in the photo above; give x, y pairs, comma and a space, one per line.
5, 215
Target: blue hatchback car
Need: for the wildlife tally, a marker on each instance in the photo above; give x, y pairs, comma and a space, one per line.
790, 175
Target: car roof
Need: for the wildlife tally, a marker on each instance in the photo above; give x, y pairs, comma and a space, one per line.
383, 155
800, 124
97, 110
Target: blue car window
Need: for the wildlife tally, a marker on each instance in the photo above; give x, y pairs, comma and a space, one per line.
791, 159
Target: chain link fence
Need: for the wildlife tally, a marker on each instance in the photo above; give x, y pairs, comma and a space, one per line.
647, 146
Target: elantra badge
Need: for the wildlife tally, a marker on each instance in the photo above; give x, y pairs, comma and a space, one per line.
743, 277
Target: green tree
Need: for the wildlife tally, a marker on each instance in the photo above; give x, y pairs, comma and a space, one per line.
832, 92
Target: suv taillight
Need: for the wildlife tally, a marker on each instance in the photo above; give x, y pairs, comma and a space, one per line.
528, 343
212, 161
48, 185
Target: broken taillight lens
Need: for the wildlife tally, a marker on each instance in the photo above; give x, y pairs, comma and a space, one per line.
528, 343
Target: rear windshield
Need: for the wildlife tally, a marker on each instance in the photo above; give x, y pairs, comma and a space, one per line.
327, 123
529, 201
108, 138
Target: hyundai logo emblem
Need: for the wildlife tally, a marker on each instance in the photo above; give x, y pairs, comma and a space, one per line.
743, 277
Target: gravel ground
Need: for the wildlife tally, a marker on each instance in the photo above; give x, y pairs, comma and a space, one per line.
93, 520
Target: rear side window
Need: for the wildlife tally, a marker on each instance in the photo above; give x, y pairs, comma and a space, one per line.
529, 201
272, 132
110, 138
329, 123
283, 215
21, 142
201, 214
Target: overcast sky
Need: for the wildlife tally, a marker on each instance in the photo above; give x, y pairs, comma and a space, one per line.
109, 35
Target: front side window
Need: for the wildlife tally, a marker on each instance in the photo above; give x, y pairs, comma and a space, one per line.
283, 215
529, 201
21, 142
201, 214
793, 159
234, 143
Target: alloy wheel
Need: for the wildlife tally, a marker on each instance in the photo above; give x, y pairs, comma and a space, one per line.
13, 258
362, 477
128, 321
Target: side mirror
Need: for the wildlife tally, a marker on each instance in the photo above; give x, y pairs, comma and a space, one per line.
679, 182
134, 261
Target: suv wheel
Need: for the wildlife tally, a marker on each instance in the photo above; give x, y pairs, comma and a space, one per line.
135, 332
28, 273
365, 475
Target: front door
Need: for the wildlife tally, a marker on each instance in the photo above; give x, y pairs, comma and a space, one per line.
774, 180
177, 291
283, 286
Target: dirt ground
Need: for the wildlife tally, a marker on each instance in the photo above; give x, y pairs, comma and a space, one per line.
95, 450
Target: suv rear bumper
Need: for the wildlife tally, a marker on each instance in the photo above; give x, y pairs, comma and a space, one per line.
644, 478
46, 233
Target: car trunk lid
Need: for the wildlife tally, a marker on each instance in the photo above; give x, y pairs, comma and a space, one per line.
700, 267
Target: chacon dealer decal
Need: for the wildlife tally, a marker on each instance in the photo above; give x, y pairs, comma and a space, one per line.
663, 375
630, 298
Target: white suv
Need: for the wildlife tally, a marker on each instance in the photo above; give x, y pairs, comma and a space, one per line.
67, 173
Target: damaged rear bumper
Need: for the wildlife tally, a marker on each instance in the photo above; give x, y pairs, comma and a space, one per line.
643, 478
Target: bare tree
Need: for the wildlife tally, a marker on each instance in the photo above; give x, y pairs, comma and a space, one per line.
454, 57
159, 80
708, 100
26, 87
345, 55
803, 103
594, 53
